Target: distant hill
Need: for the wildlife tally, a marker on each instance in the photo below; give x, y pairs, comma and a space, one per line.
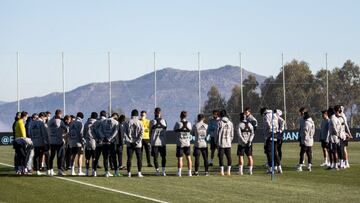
176, 91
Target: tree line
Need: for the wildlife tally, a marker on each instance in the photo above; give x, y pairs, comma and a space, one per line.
302, 87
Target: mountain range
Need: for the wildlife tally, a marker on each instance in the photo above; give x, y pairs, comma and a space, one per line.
177, 90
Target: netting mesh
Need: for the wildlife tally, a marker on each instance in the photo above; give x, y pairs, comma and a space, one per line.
177, 85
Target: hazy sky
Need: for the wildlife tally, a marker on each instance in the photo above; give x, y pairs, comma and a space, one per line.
176, 30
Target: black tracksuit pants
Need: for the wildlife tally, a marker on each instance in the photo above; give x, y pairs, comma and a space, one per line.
130, 149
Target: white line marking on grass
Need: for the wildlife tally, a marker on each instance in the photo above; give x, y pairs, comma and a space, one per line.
101, 187
6, 165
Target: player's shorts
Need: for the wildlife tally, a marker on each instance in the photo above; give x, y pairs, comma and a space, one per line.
77, 150
241, 150
89, 153
324, 144
180, 151
333, 147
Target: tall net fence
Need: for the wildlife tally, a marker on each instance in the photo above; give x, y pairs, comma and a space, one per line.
120, 82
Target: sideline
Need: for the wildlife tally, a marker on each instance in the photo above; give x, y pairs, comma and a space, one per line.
101, 187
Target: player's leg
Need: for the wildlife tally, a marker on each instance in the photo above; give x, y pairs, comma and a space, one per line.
301, 158
240, 154
309, 156
53, 150
229, 160
249, 154
267, 150
74, 152
204, 152
80, 160
36, 160
212, 151
221, 160
139, 161
325, 154
179, 155
155, 155
279, 148
60, 159
346, 154
196, 155
87, 160
147, 152
98, 151
106, 154
114, 158
119, 151
277, 158
163, 159
129, 152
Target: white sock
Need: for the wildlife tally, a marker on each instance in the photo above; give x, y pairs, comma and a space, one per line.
241, 169
139, 173
222, 169
250, 168
179, 170
163, 169
229, 169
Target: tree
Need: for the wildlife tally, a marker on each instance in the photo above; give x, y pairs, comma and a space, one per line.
234, 102
215, 100
251, 93
251, 97
344, 85
300, 87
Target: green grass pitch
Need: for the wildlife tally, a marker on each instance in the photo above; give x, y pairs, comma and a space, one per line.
320, 185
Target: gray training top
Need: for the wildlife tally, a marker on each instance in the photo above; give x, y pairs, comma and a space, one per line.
134, 132
182, 129
88, 134
57, 131
324, 132
245, 133
158, 132
225, 133
39, 133
199, 130
108, 130
76, 133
